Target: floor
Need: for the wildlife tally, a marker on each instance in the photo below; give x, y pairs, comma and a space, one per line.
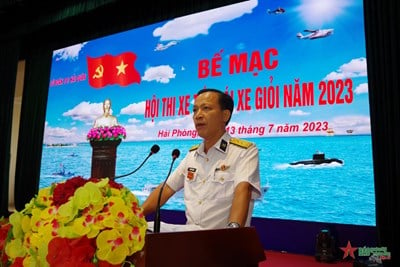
283, 259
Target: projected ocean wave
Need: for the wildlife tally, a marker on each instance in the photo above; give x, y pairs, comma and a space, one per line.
327, 192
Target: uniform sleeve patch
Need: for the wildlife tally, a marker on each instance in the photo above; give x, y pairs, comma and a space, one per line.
241, 143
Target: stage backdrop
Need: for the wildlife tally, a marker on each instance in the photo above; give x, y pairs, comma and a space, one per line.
296, 70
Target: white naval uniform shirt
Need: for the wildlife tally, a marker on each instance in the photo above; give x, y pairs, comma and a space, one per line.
209, 181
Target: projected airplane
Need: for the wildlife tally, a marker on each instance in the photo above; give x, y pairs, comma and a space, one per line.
277, 11
314, 34
161, 47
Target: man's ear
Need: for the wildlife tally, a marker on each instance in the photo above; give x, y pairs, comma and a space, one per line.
226, 114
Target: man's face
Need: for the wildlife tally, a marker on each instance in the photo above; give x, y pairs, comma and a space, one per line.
208, 117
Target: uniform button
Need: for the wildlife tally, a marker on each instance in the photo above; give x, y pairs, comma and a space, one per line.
207, 159
222, 179
200, 202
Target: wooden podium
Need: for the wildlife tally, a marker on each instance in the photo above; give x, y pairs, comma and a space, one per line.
104, 154
231, 247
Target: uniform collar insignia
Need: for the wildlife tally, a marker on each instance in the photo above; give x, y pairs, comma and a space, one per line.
223, 145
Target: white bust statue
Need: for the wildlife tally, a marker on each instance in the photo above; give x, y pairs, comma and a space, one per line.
106, 120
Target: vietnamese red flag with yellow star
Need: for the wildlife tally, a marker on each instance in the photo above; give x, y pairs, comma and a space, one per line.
108, 69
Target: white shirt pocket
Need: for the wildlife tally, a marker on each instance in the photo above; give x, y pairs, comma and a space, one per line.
222, 185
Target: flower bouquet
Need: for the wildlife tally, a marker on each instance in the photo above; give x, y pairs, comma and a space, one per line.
112, 133
79, 222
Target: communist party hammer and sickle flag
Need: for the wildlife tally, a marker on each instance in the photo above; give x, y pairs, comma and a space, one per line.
108, 69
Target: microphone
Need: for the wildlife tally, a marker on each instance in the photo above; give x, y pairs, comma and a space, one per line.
154, 149
157, 219
175, 154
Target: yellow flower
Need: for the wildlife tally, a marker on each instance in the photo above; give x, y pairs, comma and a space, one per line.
88, 194
16, 219
119, 213
31, 261
87, 225
112, 246
44, 197
135, 237
15, 249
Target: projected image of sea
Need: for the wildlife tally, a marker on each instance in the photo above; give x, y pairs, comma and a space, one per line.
336, 192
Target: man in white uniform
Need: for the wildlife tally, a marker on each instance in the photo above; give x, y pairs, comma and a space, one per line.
220, 177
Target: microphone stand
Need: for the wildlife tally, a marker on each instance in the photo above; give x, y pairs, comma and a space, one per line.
157, 219
154, 150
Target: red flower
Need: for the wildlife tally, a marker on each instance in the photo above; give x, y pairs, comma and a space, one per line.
115, 185
18, 262
4, 228
64, 252
63, 191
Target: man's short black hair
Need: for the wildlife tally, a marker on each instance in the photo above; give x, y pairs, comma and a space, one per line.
225, 101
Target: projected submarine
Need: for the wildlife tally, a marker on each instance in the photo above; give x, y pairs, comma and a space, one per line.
318, 158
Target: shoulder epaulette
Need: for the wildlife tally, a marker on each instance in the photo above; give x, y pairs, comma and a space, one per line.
195, 147
240, 142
